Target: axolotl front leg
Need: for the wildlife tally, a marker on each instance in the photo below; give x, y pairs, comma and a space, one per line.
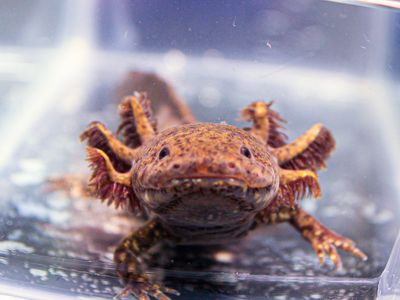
131, 267
325, 242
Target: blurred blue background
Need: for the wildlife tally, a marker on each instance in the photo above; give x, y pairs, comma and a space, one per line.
314, 33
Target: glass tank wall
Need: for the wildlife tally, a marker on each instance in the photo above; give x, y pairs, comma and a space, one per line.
320, 61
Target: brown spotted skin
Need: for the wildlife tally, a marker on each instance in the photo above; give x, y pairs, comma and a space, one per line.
205, 149
206, 183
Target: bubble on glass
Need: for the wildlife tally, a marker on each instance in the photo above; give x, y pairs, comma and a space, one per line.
375, 215
174, 61
209, 96
309, 205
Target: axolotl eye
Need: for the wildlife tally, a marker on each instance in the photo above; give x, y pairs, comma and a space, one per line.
245, 151
163, 153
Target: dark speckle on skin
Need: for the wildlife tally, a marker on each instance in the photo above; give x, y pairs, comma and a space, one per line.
194, 152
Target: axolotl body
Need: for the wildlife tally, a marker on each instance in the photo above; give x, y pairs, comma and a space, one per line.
203, 183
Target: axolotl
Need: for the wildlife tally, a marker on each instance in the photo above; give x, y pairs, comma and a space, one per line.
205, 183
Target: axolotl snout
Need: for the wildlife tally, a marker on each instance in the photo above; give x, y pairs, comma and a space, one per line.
205, 182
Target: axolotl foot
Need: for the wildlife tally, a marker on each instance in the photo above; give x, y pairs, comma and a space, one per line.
324, 241
131, 267
141, 287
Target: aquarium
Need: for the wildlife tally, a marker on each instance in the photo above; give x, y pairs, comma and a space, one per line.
335, 62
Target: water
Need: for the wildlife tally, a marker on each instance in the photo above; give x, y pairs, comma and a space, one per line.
54, 246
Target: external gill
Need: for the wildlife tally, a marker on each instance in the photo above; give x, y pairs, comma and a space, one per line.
295, 185
110, 185
267, 123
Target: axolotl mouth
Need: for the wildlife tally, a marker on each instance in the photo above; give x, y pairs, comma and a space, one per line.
206, 201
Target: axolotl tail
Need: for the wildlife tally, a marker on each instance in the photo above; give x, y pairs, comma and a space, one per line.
168, 107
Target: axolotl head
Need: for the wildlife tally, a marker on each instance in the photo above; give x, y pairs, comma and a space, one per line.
205, 175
